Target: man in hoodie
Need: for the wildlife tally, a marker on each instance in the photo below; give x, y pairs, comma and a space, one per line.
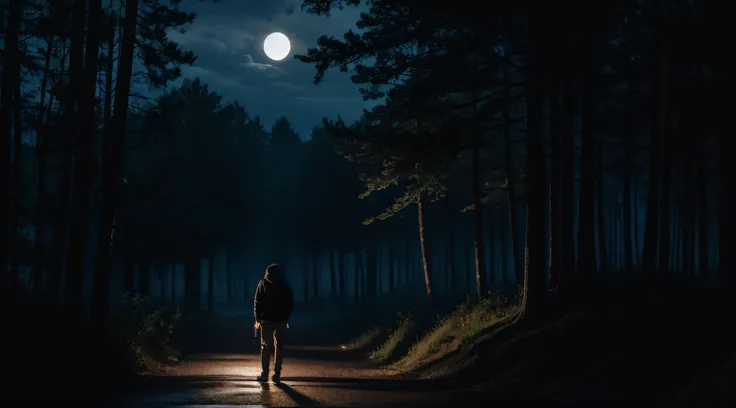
272, 307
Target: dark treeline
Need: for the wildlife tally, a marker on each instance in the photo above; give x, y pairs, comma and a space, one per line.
512, 147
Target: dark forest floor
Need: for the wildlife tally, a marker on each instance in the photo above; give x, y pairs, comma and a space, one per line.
667, 344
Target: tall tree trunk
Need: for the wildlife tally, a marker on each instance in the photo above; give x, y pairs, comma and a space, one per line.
586, 232
192, 282
356, 271
211, 284
702, 186
112, 167
173, 282
144, 277
511, 193
10, 76
76, 107
333, 276
423, 246
567, 186
665, 247
371, 271
480, 261
391, 269
129, 274
17, 168
602, 244
228, 277
659, 88
492, 262
505, 262
555, 186
305, 276
534, 268
41, 135
315, 275
628, 246
451, 264
637, 245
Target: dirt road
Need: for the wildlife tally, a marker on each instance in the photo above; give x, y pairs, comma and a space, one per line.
313, 376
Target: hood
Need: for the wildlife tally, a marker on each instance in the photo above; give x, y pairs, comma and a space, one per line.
273, 272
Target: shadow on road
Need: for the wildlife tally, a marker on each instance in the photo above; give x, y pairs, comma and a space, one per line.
298, 398
372, 384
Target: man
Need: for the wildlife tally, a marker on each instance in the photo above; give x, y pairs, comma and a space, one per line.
272, 307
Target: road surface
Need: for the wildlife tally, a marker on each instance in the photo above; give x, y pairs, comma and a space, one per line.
313, 376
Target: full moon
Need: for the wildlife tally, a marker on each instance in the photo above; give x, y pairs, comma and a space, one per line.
276, 46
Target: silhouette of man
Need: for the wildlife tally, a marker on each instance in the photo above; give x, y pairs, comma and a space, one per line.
272, 307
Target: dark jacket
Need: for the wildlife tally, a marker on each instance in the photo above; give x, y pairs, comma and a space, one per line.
274, 300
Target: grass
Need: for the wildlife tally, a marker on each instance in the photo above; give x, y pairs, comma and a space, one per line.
398, 340
365, 340
462, 325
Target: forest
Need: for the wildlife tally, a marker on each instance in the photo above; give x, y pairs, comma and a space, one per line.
515, 149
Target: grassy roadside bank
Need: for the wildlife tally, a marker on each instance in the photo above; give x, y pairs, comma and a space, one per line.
666, 345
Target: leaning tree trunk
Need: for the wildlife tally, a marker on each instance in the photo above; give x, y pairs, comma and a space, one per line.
423, 245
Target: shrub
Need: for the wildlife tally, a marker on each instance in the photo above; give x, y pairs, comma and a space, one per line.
397, 341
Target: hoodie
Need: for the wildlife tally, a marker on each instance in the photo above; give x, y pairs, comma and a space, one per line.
274, 300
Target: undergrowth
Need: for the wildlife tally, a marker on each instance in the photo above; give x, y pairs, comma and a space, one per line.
465, 323
365, 340
398, 339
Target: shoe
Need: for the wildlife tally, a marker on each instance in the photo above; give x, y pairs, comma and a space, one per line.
276, 378
262, 378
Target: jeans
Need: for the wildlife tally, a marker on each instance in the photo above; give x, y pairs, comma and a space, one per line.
273, 335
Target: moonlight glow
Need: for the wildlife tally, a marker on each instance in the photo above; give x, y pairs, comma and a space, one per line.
276, 46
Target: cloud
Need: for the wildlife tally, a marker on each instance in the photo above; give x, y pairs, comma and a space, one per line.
249, 63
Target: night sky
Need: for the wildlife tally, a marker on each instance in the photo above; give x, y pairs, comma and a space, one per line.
227, 38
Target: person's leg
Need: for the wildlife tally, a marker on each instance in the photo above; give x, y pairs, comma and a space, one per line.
279, 340
267, 335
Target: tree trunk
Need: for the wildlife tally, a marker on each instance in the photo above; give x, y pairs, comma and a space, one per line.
371, 278
391, 269
41, 135
586, 232
129, 274
628, 247
17, 169
505, 262
702, 177
511, 190
356, 271
665, 247
602, 244
144, 277
315, 274
333, 275
10, 76
305, 276
173, 282
480, 262
423, 245
228, 277
192, 282
451, 264
534, 266
555, 184
211, 284
341, 274
659, 88
567, 186
76, 108
112, 167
